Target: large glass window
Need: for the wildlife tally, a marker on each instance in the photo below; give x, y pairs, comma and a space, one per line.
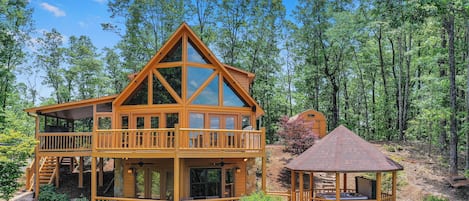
171, 119
194, 54
140, 95
195, 78
173, 76
175, 54
209, 96
205, 183
160, 94
230, 97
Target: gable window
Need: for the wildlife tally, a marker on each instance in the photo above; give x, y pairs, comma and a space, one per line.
195, 78
174, 78
209, 96
140, 95
175, 54
160, 94
205, 183
231, 98
194, 54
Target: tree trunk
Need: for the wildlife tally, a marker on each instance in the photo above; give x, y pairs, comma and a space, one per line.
453, 151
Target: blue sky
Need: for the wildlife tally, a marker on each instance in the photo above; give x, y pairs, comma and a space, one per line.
78, 17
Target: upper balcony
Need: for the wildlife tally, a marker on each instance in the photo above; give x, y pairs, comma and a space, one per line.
154, 143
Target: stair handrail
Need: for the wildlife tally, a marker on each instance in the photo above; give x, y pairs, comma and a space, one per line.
30, 173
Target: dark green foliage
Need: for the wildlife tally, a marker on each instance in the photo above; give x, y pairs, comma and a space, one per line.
434, 198
48, 194
10, 172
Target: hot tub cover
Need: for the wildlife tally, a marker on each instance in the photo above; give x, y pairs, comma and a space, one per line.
343, 151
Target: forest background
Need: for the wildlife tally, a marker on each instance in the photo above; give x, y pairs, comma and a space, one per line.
388, 70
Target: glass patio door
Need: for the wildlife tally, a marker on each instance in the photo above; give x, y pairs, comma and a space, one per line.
147, 183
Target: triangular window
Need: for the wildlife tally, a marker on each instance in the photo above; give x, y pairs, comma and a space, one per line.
175, 54
160, 94
209, 96
140, 95
195, 78
231, 98
173, 76
194, 54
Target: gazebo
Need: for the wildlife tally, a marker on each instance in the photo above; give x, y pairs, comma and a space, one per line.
342, 152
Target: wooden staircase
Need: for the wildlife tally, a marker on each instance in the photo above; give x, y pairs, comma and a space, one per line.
47, 172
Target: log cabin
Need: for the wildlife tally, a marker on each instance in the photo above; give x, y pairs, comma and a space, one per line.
184, 128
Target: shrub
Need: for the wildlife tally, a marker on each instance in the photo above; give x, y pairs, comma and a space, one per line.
10, 171
260, 196
47, 193
434, 198
296, 134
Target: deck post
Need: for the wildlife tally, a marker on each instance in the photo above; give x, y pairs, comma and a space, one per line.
300, 175
264, 174
394, 185
345, 182
311, 185
57, 172
176, 178
101, 172
80, 175
93, 178
293, 182
337, 186
38, 161
378, 186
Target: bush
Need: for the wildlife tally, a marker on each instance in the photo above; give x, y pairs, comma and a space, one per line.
434, 198
260, 196
10, 171
47, 193
296, 135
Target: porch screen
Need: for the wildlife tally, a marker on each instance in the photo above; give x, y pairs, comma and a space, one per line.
205, 183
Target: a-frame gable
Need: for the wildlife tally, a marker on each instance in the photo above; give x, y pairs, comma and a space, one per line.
203, 57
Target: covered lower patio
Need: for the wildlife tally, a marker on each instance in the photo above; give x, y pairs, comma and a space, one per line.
343, 152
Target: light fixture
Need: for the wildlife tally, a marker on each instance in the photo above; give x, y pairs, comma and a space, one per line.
238, 170
130, 170
245, 159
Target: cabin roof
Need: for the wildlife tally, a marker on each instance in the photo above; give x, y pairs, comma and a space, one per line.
293, 118
71, 110
343, 151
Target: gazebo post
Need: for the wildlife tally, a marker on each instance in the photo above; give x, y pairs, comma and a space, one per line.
337, 186
345, 182
394, 185
300, 175
311, 185
293, 182
378, 186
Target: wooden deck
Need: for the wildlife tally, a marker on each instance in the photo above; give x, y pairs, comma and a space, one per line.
154, 143
308, 197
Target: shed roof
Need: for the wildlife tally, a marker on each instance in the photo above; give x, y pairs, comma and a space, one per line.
343, 151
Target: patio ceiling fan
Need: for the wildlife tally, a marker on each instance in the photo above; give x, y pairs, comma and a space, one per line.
222, 163
141, 163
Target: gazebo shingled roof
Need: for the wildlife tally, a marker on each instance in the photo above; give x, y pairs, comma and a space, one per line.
343, 151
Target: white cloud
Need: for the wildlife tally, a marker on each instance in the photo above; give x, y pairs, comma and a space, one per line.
53, 9
83, 24
101, 1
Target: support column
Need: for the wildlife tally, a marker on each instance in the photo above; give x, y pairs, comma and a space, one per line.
345, 182
176, 179
378, 186
337, 186
80, 175
311, 185
264, 174
293, 183
101, 172
37, 160
394, 185
118, 178
301, 185
57, 172
93, 178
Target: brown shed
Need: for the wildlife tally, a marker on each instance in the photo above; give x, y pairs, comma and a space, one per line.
342, 151
314, 119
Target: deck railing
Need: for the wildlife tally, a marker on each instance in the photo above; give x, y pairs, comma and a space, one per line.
135, 139
64, 142
307, 195
153, 139
136, 199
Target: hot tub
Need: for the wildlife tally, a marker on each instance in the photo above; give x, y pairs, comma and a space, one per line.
343, 196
